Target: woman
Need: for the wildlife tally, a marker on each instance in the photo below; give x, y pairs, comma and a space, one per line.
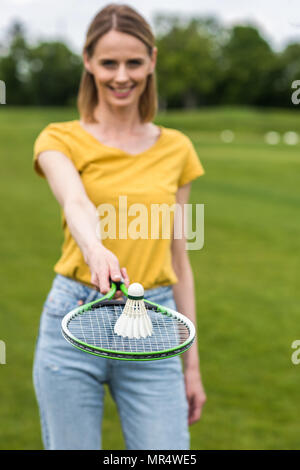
115, 151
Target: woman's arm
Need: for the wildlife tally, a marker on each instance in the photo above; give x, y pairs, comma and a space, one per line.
184, 296
82, 218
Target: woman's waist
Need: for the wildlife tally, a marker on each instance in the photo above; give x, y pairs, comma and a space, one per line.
155, 294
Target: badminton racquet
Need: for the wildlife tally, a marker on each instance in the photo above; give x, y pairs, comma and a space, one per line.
90, 328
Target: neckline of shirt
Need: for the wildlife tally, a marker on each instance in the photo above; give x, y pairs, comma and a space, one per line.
91, 136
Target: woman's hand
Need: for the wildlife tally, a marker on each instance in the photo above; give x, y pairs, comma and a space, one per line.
195, 394
104, 265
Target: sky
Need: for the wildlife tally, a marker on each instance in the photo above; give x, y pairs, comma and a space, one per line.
68, 20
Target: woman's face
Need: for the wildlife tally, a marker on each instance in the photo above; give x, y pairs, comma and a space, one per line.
120, 65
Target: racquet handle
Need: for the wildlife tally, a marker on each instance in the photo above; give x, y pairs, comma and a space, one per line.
117, 283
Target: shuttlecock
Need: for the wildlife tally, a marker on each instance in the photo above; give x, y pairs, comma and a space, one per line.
134, 321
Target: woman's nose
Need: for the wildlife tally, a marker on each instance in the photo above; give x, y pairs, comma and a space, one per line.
121, 74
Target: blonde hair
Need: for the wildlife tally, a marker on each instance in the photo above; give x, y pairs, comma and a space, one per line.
124, 19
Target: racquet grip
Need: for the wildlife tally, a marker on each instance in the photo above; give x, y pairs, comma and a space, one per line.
117, 283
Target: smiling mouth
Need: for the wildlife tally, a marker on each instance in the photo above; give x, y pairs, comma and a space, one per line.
121, 91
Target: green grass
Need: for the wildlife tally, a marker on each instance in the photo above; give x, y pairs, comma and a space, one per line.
247, 277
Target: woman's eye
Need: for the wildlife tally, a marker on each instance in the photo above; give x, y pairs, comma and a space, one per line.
131, 63
108, 64
134, 63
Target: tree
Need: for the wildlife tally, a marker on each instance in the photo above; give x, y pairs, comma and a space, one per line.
13, 65
246, 62
54, 74
282, 75
46, 74
186, 65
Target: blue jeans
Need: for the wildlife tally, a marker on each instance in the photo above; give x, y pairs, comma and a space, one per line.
150, 396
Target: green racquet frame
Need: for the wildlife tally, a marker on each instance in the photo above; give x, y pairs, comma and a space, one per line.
85, 328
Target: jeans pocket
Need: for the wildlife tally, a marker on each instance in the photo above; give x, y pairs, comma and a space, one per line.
58, 303
64, 296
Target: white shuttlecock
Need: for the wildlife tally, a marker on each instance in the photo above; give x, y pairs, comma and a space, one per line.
227, 136
272, 138
134, 321
291, 138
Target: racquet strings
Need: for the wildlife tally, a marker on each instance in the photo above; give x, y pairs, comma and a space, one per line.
96, 328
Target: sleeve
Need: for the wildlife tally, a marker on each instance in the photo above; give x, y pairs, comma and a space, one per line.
51, 138
192, 167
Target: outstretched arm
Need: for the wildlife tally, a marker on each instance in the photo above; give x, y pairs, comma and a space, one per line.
82, 218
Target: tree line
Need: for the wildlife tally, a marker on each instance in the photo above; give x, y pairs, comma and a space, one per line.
200, 63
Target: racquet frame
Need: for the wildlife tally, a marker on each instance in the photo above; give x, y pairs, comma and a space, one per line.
123, 355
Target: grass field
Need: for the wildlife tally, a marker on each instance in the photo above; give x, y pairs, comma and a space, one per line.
247, 275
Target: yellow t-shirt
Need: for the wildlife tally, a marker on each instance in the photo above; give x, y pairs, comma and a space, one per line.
114, 177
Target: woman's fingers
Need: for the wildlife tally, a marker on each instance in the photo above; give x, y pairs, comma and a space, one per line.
115, 274
103, 276
95, 280
109, 271
125, 277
